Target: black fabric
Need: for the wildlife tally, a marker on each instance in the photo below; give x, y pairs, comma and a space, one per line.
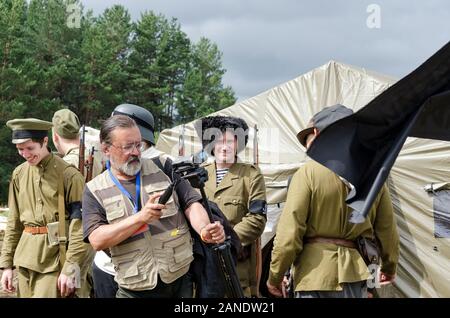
75, 210
24, 134
258, 207
204, 269
362, 147
104, 284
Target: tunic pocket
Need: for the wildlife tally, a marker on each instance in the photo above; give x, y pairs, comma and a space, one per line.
234, 208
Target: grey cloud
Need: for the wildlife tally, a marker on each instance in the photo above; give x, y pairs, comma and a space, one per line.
268, 42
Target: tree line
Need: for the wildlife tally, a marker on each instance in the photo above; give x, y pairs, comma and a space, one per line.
54, 57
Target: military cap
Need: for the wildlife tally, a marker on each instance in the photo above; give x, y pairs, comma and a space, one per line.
27, 128
66, 123
222, 123
323, 119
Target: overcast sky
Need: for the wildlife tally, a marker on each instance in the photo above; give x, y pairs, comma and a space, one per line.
268, 42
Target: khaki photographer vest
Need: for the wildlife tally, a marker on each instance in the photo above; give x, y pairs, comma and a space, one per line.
165, 249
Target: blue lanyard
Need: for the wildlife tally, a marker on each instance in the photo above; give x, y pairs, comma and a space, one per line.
124, 191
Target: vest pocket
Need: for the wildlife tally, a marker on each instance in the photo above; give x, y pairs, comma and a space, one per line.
182, 256
171, 208
115, 214
127, 269
115, 208
179, 251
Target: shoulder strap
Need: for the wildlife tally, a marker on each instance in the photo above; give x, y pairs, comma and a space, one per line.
167, 168
61, 217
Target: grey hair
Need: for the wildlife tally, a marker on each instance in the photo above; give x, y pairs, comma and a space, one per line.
113, 122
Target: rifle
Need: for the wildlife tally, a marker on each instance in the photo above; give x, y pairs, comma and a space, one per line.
90, 164
258, 265
181, 146
82, 149
197, 176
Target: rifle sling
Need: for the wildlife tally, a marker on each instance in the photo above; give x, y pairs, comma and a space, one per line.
61, 221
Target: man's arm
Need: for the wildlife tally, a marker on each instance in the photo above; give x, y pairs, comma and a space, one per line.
288, 242
385, 228
77, 250
14, 227
209, 232
13, 232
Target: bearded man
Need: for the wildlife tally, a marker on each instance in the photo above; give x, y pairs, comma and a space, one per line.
149, 242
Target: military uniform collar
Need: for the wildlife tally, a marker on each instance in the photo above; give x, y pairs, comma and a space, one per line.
45, 162
227, 181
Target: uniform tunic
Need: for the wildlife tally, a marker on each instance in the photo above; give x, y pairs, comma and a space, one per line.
241, 187
33, 201
315, 207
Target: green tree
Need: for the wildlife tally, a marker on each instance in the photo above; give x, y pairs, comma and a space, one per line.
203, 91
12, 83
104, 77
157, 66
47, 63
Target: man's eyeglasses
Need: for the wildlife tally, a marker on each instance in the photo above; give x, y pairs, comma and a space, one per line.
127, 149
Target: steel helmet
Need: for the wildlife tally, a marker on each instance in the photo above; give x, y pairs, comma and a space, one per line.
142, 117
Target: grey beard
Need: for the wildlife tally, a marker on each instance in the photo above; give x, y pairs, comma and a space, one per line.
127, 168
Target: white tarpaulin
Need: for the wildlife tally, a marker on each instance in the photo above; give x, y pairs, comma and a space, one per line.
282, 111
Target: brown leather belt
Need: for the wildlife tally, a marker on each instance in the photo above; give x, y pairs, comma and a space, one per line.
35, 229
335, 241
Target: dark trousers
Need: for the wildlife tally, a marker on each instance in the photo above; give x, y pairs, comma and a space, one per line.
180, 288
104, 284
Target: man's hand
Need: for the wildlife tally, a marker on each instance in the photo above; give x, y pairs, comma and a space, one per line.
152, 211
66, 285
213, 233
274, 290
7, 280
285, 284
386, 279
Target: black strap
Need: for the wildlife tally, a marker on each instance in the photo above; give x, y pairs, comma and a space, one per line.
258, 207
167, 168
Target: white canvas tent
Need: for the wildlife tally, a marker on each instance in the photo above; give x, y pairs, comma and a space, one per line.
282, 111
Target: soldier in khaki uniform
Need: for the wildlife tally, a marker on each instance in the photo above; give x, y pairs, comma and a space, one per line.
237, 188
65, 134
314, 234
66, 137
46, 248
